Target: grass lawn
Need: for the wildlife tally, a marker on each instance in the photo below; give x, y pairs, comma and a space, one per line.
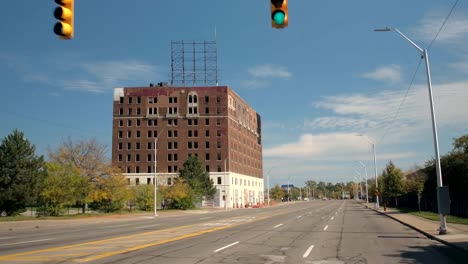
434, 216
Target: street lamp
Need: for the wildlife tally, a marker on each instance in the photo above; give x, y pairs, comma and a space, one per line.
268, 185
365, 172
360, 181
375, 169
423, 53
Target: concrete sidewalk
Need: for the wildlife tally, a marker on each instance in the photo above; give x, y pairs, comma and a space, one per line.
457, 235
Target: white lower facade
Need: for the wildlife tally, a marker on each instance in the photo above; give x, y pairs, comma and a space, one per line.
233, 190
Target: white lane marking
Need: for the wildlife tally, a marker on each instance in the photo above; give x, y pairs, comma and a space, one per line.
306, 254
230, 245
147, 226
299, 217
276, 226
325, 228
332, 218
25, 242
6, 238
116, 226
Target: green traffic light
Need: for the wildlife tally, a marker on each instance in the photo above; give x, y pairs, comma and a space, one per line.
278, 17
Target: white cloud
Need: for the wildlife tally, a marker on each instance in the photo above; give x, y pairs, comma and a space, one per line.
390, 73
455, 29
270, 70
460, 66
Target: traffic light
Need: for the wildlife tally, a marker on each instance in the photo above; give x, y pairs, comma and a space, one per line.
64, 13
279, 13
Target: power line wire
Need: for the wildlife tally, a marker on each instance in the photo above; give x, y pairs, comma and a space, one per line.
443, 24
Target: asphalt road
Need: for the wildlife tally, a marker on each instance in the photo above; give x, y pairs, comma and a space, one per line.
304, 232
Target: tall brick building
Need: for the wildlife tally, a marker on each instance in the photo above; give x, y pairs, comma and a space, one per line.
212, 123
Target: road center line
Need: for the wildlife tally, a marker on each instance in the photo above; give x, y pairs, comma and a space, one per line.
299, 217
306, 254
25, 242
276, 226
325, 228
230, 245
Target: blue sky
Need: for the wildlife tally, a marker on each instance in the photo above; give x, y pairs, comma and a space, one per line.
317, 83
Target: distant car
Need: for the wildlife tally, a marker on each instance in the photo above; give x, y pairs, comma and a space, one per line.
324, 199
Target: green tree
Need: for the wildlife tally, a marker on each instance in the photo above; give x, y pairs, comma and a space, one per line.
195, 176
277, 193
179, 195
61, 188
312, 185
111, 192
21, 172
415, 183
393, 181
89, 157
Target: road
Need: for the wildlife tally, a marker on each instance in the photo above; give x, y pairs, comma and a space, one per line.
303, 232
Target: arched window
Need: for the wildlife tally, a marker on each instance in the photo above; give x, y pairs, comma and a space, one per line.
192, 104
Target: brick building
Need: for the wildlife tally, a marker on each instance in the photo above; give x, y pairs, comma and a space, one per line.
212, 123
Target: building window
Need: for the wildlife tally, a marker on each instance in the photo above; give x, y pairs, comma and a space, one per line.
218, 121
218, 99
120, 157
121, 100
175, 145
121, 111
169, 169
207, 168
169, 145
137, 182
207, 122
175, 168
169, 181
138, 111
207, 110
189, 133
149, 145
129, 157
148, 170
219, 180
128, 169
138, 145
195, 145
129, 123
207, 99
129, 145
207, 144
120, 123
195, 133
176, 157
148, 180
120, 146
138, 100
130, 100
219, 156
137, 169
218, 144
189, 145
149, 133
138, 134
150, 122
149, 157
138, 122
129, 111
218, 133
219, 168
169, 157
120, 134
129, 134
137, 157
207, 156
207, 133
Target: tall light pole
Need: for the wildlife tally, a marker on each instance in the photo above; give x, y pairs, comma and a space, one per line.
155, 180
423, 53
360, 181
375, 169
365, 173
268, 185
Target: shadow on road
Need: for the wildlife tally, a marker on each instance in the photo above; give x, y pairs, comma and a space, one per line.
427, 254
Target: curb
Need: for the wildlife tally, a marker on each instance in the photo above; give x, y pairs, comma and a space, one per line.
423, 232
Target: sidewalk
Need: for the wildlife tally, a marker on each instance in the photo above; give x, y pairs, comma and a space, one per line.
457, 235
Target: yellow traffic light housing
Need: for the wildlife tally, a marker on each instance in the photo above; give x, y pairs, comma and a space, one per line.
64, 13
279, 13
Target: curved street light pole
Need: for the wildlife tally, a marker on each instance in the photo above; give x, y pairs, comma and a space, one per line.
375, 170
423, 53
365, 173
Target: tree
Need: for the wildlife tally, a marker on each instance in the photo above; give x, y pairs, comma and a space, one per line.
393, 182
312, 185
415, 183
111, 191
179, 195
89, 157
21, 172
194, 174
277, 193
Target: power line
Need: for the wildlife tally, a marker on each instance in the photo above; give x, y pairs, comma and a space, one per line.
443, 24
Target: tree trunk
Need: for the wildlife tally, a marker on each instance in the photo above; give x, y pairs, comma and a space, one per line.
396, 201
419, 202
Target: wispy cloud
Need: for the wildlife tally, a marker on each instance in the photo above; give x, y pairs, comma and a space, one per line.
270, 71
454, 30
390, 73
